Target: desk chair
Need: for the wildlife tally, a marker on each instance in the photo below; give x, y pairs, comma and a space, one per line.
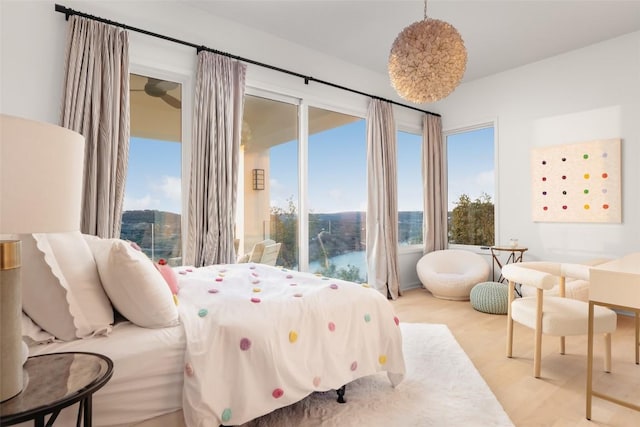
553, 315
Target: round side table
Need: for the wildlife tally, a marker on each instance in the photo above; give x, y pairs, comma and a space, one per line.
55, 381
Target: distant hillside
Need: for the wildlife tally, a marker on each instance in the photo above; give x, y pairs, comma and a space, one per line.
156, 232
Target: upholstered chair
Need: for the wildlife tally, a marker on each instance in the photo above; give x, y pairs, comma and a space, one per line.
452, 273
553, 315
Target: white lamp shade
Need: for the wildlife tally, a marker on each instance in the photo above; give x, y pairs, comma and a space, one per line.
41, 168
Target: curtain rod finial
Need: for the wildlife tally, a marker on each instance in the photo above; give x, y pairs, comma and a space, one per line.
67, 12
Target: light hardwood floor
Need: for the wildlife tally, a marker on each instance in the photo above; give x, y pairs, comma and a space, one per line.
558, 398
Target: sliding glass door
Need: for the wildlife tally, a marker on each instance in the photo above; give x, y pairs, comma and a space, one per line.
153, 198
337, 194
269, 156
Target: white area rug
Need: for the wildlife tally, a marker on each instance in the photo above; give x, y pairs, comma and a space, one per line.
442, 388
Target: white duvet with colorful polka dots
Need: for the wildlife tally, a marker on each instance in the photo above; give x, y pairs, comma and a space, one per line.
261, 337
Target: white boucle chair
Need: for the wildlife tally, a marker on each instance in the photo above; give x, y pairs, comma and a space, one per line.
553, 315
452, 273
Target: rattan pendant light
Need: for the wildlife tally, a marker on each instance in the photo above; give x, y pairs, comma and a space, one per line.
427, 60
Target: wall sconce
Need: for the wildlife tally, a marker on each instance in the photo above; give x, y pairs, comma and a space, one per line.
257, 176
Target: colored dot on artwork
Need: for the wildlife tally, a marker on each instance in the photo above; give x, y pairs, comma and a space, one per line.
586, 191
544, 193
605, 206
544, 162
544, 178
605, 175
585, 156
564, 176
564, 207
564, 159
226, 414
586, 176
604, 154
604, 191
545, 208
586, 207
277, 393
564, 193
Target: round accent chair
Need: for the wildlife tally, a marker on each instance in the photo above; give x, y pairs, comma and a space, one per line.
490, 297
452, 273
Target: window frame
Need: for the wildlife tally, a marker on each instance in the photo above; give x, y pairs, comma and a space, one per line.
185, 77
407, 249
493, 123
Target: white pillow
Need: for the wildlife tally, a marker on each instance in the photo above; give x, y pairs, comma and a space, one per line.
33, 334
133, 283
61, 289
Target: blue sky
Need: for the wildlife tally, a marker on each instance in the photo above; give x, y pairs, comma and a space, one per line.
153, 177
473, 170
337, 171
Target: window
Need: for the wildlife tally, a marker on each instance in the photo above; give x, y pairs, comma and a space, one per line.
337, 195
470, 169
269, 145
410, 191
152, 203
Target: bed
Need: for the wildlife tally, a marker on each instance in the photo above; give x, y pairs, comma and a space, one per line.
222, 344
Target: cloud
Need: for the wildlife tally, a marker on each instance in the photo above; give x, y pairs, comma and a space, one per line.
486, 179
170, 187
275, 185
146, 202
336, 194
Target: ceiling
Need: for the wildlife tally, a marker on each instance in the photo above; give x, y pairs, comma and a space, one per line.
152, 117
498, 35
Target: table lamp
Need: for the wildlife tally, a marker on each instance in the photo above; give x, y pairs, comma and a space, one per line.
41, 168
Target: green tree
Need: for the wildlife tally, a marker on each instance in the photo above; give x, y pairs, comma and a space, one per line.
284, 229
349, 273
472, 221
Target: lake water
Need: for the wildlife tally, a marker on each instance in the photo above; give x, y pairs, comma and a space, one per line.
357, 259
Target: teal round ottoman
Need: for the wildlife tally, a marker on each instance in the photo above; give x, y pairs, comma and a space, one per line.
490, 297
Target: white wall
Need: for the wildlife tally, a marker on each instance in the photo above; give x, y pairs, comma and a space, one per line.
549, 102
33, 38
587, 94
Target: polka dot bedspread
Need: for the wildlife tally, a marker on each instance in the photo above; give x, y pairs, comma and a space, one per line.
262, 337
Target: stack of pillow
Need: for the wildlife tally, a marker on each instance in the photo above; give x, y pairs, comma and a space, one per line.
73, 282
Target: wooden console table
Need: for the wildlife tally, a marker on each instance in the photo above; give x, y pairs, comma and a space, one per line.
615, 284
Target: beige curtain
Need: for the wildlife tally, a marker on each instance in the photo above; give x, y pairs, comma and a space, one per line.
96, 104
434, 182
219, 102
382, 200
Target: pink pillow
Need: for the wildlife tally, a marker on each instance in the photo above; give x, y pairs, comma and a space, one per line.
169, 275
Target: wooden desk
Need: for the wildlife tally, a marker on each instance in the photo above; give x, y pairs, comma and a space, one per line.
516, 255
615, 284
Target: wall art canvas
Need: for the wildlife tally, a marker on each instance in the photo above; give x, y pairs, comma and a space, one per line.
577, 182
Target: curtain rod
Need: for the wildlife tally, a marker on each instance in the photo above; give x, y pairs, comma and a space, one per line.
70, 12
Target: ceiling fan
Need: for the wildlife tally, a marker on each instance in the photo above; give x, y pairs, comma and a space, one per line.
158, 89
